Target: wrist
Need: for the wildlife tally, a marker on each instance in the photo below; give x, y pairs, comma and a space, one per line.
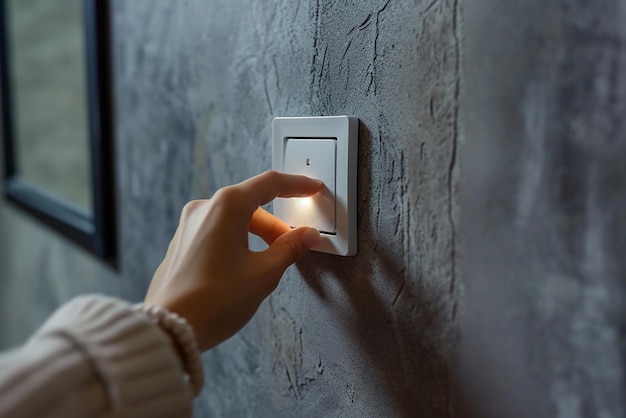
183, 339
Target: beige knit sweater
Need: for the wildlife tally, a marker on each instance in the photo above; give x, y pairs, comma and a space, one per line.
95, 357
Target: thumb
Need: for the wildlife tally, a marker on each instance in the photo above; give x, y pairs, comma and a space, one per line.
291, 246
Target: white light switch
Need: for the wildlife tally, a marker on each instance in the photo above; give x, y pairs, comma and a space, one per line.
313, 158
325, 148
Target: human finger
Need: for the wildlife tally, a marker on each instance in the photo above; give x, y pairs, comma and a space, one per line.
287, 249
267, 226
267, 186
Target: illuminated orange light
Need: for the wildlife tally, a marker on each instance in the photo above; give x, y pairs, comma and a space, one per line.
305, 202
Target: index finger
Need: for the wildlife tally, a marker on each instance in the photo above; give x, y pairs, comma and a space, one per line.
267, 186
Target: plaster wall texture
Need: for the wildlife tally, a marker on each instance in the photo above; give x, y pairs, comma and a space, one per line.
197, 87
543, 219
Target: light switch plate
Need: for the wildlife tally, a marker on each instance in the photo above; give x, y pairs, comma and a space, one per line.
307, 143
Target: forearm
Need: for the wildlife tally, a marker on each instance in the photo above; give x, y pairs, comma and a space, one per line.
95, 356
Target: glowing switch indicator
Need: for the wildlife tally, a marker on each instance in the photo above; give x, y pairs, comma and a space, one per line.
315, 158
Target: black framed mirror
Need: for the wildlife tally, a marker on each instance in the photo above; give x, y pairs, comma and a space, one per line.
57, 116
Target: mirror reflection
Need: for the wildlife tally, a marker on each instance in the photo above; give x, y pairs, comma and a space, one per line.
46, 44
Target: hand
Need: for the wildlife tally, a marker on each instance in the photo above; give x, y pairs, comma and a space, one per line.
209, 276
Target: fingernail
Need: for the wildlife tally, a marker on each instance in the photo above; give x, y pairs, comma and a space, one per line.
310, 237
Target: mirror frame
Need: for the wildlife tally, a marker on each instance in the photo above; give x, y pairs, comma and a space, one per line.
93, 230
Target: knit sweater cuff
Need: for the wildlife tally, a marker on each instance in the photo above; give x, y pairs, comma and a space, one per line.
141, 372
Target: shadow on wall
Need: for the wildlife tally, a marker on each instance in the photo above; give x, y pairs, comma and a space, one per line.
395, 337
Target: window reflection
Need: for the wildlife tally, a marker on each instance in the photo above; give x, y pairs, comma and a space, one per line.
50, 116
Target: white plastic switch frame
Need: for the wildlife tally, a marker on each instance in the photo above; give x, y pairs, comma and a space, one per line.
306, 139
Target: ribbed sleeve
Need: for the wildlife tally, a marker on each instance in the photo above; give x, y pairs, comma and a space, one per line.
95, 357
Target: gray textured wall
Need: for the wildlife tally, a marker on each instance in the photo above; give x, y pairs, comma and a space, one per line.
543, 217
522, 204
197, 87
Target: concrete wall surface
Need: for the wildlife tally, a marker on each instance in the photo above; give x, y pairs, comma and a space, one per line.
197, 87
543, 201
488, 280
